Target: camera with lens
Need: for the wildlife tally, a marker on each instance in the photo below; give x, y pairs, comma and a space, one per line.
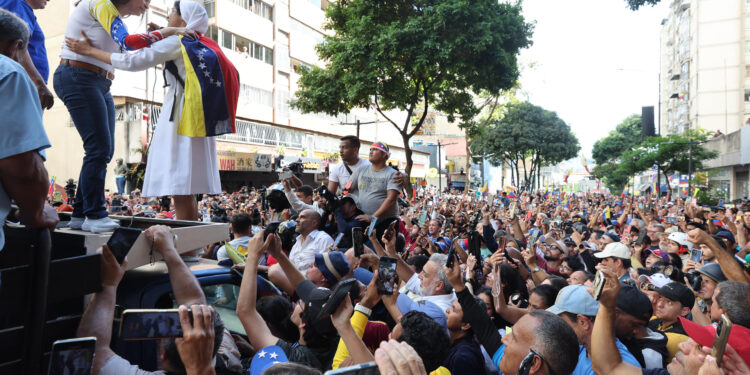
694, 279
218, 214
517, 299
332, 202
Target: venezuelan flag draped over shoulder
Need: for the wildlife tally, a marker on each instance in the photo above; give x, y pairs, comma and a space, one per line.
211, 89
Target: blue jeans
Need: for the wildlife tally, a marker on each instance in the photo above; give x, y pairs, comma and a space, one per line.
87, 97
120, 180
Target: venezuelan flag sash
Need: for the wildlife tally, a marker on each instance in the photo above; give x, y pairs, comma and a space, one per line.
211, 89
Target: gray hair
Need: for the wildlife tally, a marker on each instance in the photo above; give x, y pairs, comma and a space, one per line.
441, 259
556, 341
13, 28
734, 298
656, 225
638, 223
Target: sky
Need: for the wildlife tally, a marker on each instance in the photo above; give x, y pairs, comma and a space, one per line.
594, 62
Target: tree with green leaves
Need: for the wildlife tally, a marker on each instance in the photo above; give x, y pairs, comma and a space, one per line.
625, 136
527, 137
672, 153
414, 56
636, 4
611, 167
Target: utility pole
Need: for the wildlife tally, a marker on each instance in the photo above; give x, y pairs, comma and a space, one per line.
440, 168
358, 123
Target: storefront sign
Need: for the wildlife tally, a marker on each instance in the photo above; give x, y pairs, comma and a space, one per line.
263, 163
243, 162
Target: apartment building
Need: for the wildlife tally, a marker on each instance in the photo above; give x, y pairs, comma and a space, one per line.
705, 83
267, 41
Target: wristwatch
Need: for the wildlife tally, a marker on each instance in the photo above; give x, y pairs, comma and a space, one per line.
536, 269
364, 310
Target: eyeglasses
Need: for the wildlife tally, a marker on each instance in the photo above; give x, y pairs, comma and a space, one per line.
536, 353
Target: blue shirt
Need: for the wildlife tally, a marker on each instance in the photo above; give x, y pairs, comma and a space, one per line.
37, 50
584, 362
21, 130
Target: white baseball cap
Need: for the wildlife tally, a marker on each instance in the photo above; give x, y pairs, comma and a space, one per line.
616, 250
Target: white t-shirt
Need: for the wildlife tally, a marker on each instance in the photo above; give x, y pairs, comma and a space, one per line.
83, 19
339, 173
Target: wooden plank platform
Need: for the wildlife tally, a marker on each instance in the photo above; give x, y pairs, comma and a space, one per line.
191, 235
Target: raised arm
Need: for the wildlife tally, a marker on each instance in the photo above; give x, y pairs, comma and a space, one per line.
186, 288
292, 273
473, 312
729, 266
97, 319
605, 358
257, 331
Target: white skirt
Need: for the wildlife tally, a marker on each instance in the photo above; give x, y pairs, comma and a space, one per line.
180, 165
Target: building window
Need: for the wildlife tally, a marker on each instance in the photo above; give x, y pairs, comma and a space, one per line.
213, 33
246, 47
747, 47
256, 6
210, 9
747, 95
256, 95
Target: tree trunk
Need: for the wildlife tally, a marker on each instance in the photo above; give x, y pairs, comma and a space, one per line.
409, 164
468, 163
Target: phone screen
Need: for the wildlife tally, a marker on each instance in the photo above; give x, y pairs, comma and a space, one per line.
358, 241
451, 258
150, 324
696, 255
337, 240
386, 275
121, 241
512, 210
73, 356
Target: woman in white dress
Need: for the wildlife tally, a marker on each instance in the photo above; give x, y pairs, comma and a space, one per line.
178, 165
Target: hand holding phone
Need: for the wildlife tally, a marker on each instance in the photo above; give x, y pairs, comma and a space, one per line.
72, 356
386, 275
358, 241
598, 286
723, 329
150, 324
122, 241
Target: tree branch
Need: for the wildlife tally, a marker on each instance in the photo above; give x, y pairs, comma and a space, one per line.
421, 120
377, 108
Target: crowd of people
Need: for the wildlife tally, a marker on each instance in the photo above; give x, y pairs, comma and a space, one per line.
483, 284
544, 282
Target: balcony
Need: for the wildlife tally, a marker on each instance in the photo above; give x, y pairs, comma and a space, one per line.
261, 134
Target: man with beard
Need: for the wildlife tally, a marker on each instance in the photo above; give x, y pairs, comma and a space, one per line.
547, 259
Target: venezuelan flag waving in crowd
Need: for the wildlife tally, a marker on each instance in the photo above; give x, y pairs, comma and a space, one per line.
211, 89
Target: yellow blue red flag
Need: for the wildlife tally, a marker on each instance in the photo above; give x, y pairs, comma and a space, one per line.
211, 89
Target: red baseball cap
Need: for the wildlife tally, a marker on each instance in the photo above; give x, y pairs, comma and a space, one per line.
739, 337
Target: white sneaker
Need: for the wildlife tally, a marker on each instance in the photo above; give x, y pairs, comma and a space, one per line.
104, 224
76, 222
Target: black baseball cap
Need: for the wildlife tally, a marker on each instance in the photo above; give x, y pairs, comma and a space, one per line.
314, 298
634, 302
678, 292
